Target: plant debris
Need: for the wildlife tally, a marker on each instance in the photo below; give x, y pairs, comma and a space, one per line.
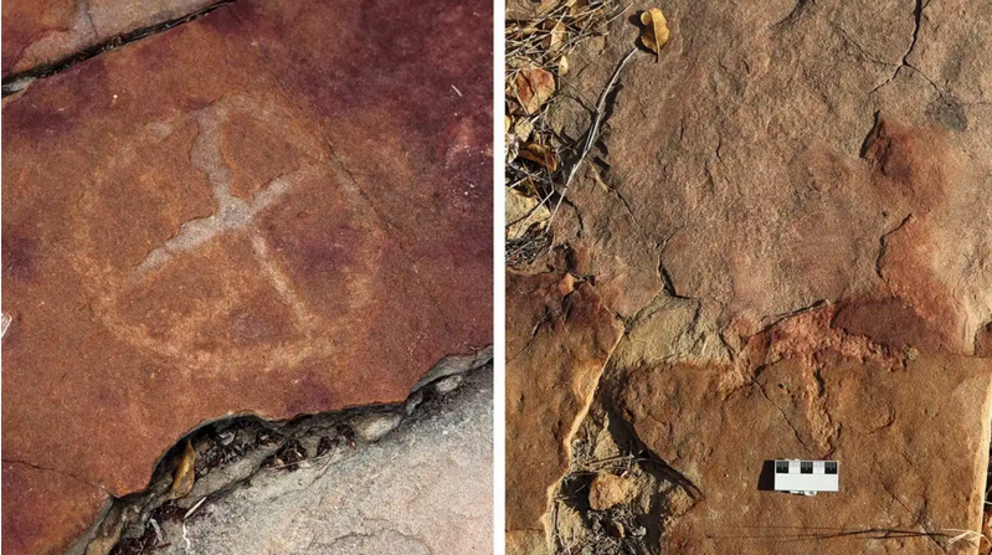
185, 474
537, 56
655, 35
534, 86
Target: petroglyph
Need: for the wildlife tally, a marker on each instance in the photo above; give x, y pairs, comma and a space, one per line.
232, 212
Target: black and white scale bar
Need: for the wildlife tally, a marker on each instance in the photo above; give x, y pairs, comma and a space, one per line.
806, 477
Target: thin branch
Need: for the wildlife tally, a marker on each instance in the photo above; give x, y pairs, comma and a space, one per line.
593, 131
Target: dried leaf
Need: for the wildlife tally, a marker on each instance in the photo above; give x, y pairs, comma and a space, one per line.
534, 87
508, 123
523, 212
541, 155
512, 148
523, 129
598, 178
563, 66
555, 37
527, 187
182, 481
655, 34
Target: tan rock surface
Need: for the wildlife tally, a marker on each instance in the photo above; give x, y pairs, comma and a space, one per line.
909, 434
796, 194
526, 542
559, 337
607, 491
279, 208
737, 167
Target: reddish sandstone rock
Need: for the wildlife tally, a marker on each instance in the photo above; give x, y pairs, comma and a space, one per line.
912, 444
279, 208
41, 33
796, 195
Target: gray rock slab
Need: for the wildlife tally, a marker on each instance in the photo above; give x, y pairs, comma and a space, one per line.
425, 488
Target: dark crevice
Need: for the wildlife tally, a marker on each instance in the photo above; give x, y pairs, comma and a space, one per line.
778, 318
904, 63
872, 134
632, 526
917, 19
230, 451
19, 81
668, 285
645, 454
801, 7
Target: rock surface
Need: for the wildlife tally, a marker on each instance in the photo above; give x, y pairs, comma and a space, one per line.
279, 208
910, 435
795, 194
41, 33
559, 338
607, 491
424, 489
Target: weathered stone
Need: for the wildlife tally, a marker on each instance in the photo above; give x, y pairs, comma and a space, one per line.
161, 270
526, 542
912, 442
41, 33
373, 427
75, 505
608, 490
559, 337
766, 207
437, 500
447, 385
791, 217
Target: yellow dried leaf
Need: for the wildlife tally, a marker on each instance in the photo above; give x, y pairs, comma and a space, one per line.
556, 36
182, 481
541, 155
507, 124
563, 66
523, 129
522, 213
598, 178
655, 34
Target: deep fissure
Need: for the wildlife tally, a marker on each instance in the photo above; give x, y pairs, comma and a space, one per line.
230, 451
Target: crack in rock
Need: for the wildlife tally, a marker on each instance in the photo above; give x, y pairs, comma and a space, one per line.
19, 81
60, 472
388, 227
230, 450
883, 245
917, 19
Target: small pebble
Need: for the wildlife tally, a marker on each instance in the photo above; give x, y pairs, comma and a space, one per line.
372, 427
413, 402
226, 437
449, 384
